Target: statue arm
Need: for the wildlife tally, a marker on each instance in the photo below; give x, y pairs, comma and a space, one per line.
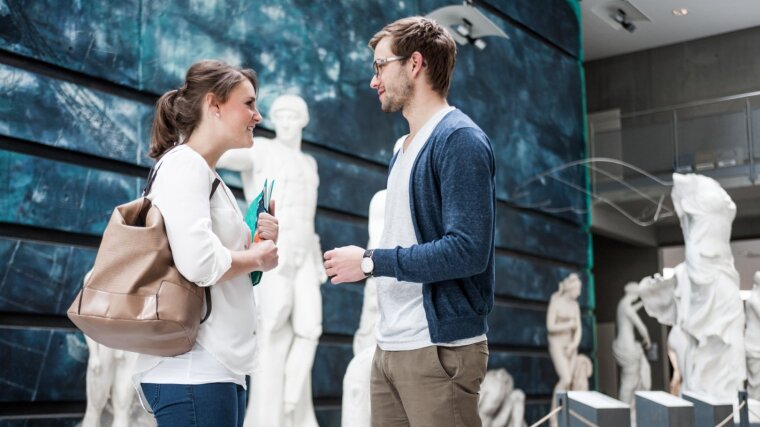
658, 296
552, 325
578, 332
239, 159
630, 312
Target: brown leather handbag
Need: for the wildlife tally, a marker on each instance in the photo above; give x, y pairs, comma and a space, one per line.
135, 299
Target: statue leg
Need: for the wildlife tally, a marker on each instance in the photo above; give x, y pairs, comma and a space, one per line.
123, 393
356, 407
274, 296
518, 409
99, 380
564, 372
645, 373
629, 382
562, 366
307, 328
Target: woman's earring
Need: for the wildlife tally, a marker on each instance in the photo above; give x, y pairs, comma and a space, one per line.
218, 115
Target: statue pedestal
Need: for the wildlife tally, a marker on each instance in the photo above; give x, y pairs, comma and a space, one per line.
660, 409
598, 408
709, 412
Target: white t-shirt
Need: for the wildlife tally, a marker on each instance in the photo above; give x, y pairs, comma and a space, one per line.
201, 234
402, 324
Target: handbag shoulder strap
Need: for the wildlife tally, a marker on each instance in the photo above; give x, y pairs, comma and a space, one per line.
214, 186
151, 178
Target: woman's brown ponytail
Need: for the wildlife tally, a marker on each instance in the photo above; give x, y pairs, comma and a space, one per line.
164, 134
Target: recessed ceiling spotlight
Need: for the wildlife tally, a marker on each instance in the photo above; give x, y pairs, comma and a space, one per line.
680, 11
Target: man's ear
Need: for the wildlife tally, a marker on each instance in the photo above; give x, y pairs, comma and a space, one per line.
418, 63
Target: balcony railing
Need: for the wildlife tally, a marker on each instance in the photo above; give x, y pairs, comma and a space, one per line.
717, 137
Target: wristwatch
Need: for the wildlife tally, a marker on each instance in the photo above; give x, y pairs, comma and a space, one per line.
367, 265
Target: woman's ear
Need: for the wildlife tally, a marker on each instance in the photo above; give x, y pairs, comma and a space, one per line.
211, 104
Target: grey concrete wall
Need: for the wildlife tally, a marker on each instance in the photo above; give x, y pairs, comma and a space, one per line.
711, 67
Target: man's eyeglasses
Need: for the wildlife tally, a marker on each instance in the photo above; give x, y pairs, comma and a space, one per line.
379, 63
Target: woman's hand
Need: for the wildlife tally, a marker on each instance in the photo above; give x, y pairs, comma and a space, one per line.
268, 227
265, 255
261, 256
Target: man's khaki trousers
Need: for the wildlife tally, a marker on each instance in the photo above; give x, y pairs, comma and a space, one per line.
433, 386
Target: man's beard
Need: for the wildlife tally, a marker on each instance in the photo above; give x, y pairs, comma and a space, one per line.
397, 102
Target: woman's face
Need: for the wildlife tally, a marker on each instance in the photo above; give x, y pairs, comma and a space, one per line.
239, 115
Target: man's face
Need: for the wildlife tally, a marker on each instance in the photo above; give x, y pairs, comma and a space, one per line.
393, 85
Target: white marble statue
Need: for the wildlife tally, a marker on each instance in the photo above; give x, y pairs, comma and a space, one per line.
500, 404
701, 301
290, 302
355, 411
583, 368
563, 325
752, 339
109, 380
635, 372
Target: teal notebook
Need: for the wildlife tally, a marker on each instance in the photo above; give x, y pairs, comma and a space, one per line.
258, 205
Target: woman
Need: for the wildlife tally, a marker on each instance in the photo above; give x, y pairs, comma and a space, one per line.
213, 111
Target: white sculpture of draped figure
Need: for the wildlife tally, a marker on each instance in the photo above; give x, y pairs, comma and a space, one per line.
752, 339
356, 382
500, 403
701, 302
355, 408
289, 298
109, 379
635, 372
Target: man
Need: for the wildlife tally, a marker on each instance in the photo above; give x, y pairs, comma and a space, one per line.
290, 308
435, 260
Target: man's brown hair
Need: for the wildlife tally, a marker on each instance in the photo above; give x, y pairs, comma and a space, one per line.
423, 35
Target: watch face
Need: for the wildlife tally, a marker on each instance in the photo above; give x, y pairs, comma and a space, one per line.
367, 265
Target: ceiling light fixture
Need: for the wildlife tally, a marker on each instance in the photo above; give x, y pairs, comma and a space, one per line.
680, 11
621, 18
467, 24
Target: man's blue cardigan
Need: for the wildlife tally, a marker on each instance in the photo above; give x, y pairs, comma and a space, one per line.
452, 197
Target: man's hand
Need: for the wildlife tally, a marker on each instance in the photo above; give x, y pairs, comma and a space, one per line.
344, 264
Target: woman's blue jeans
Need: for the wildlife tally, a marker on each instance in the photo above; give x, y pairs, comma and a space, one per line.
201, 405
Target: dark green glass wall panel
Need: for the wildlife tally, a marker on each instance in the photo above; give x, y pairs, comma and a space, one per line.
97, 38
47, 365
67, 115
61, 196
41, 278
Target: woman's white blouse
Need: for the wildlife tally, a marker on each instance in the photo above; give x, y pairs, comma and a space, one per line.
201, 234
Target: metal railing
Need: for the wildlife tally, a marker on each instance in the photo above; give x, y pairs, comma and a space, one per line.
718, 137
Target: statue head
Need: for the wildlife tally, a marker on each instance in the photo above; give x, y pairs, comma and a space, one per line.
571, 286
289, 115
632, 288
697, 195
